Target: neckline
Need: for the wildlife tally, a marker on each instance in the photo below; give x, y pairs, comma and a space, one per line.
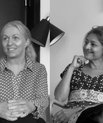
86, 74
92, 77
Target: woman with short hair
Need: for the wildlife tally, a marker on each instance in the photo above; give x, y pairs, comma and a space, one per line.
23, 82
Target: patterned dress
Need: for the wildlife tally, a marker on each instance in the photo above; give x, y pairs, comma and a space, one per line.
85, 91
30, 84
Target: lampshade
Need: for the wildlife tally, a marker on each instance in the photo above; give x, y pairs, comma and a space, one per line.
55, 34
40, 32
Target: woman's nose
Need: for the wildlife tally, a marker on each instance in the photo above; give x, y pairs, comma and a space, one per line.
10, 41
88, 46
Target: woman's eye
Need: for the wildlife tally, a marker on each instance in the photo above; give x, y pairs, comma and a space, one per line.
92, 44
15, 38
4, 38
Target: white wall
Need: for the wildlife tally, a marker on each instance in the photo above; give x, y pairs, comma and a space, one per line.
75, 17
45, 51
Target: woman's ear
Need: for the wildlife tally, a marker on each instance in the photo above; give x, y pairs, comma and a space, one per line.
27, 43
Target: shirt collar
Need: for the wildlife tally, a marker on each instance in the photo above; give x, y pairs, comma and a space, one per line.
28, 65
3, 63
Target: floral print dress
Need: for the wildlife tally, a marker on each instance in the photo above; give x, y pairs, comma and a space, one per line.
85, 91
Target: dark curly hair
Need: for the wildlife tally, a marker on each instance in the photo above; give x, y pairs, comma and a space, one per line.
98, 31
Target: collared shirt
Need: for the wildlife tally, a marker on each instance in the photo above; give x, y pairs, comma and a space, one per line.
30, 84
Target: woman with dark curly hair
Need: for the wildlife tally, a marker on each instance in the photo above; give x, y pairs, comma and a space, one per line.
82, 83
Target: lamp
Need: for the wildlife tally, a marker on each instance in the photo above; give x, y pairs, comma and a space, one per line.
40, 33
55, 34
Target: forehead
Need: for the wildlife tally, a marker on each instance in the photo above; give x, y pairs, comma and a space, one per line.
92, 37
11, 29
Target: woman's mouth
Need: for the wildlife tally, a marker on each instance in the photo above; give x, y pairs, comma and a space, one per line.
89, 52
11, 49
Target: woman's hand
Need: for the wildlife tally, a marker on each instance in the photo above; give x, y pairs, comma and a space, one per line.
21, 108
64, 115
5, 113
78, 61
27, 108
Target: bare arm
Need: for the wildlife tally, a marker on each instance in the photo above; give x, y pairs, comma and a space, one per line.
62, 90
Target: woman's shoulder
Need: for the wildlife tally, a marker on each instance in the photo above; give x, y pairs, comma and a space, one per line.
38, 65
67, 67
64, 71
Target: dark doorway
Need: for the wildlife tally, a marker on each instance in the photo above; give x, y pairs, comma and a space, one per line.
32, 15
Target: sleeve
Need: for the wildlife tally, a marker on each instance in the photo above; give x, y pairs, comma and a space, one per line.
65, 70
41, 100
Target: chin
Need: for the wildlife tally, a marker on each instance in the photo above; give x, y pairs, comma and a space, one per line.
11, 55
89, 57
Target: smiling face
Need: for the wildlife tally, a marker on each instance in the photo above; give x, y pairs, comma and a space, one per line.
14, 42
93, 49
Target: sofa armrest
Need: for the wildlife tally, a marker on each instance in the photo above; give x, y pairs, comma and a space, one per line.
56, 106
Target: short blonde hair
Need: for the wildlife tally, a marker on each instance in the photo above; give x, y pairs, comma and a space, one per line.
20, 26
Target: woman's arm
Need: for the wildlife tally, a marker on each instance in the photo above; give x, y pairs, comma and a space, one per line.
41, 100
62, 90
